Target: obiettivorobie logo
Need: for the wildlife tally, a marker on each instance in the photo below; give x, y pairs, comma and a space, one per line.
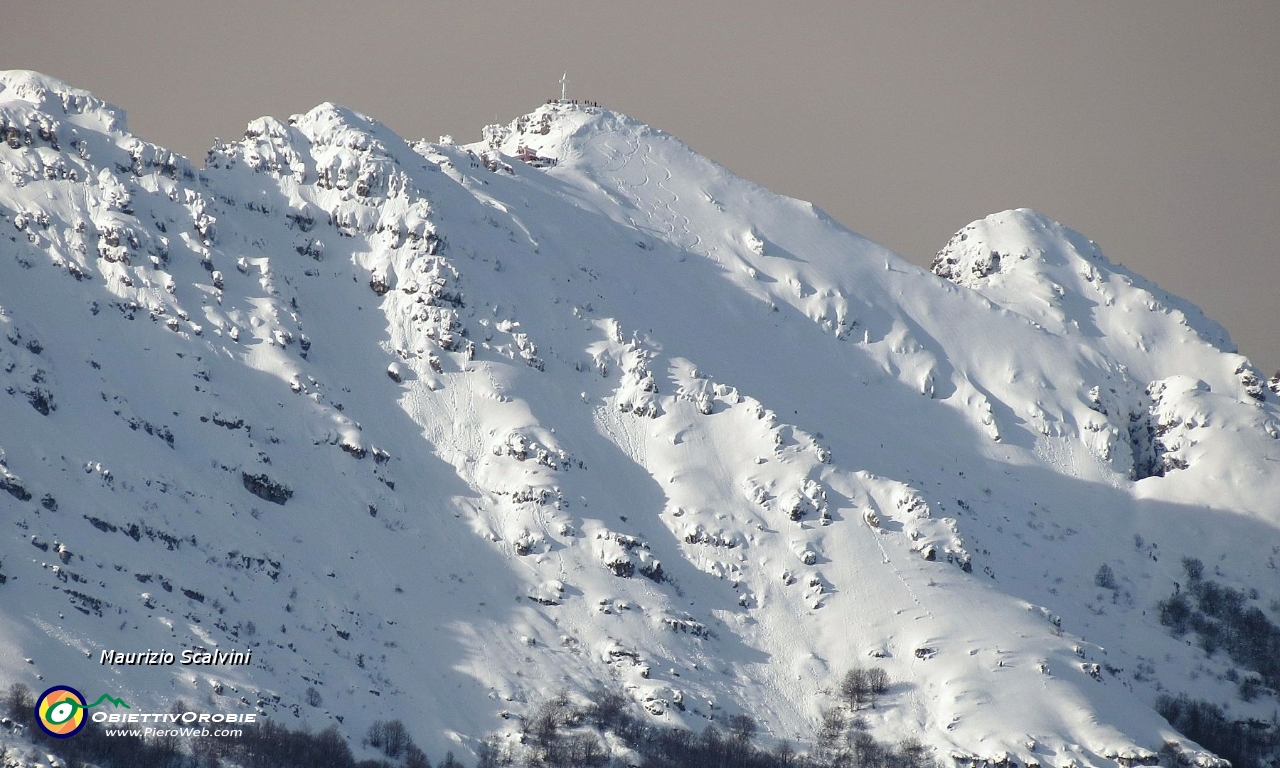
60, 710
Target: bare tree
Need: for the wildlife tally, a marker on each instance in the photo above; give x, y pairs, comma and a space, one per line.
861, 686
855, 688
878, 680
19, 700
397, 739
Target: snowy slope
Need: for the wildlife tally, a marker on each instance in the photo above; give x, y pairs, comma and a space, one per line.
440, 432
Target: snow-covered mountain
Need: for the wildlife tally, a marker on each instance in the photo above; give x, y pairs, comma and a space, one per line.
441, 430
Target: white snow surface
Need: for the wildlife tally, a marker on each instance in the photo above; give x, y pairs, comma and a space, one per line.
612, 416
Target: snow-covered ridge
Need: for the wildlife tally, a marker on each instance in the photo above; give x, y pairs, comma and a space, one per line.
1026, 262
443, 429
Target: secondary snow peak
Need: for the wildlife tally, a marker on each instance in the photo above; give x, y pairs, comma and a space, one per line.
1027, 262
55, 98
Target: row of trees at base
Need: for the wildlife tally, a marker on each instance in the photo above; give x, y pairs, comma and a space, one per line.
557, 733
561, 733
1246, 743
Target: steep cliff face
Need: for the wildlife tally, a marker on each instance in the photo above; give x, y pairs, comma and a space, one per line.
441, 430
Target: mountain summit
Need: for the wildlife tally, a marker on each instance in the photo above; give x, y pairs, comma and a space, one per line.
439, 431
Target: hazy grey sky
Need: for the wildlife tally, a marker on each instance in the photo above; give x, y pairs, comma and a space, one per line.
1152, 127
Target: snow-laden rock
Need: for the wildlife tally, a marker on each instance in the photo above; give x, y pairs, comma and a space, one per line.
439, 430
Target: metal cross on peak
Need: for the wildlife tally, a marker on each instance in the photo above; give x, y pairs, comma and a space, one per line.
564, 87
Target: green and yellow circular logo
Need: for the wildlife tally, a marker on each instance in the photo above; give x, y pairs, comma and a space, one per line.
60, 711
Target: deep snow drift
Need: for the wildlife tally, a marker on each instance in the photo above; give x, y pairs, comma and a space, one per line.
441, 430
